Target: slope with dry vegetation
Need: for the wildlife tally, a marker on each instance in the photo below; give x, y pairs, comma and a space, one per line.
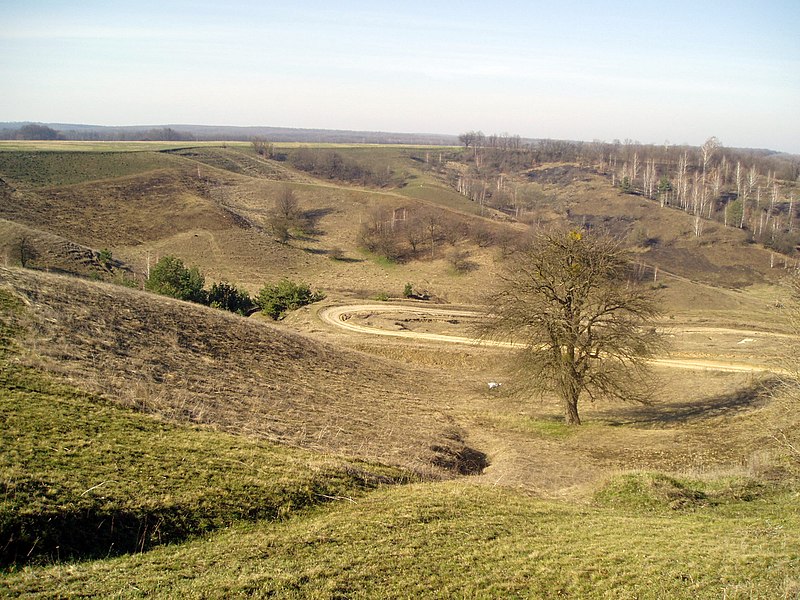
172, 420
193, 364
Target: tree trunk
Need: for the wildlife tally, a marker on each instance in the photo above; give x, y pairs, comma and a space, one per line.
571, 412
569, 396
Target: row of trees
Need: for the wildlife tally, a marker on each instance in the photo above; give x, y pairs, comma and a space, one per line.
609, 156
170, 277
751, 190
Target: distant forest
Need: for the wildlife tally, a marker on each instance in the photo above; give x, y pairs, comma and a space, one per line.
197, 133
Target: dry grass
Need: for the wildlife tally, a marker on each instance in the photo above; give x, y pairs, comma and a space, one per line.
207, 198
194, 364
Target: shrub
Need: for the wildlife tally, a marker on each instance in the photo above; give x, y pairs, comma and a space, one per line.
105, 258
408, 291
170, 277
459, 260
277, 300
229, 297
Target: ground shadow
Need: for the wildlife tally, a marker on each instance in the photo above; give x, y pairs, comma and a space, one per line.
349, 260
678, 413
312, 218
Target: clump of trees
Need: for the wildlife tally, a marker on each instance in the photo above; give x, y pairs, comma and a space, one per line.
753, 190
584, 326
35, 131
263, 148
328, 164
405, 233
170, 277
276, 300
228, 297
750, 190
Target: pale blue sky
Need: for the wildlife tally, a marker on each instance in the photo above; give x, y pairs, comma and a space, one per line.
648, 71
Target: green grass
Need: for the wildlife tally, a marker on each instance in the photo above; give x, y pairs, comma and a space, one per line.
464, 541
40, 169
537, 427
83, 478
657, 491
80, 146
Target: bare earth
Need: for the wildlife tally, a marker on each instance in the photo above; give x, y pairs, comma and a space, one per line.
384, 319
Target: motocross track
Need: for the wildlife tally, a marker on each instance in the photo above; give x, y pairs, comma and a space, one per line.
346, 317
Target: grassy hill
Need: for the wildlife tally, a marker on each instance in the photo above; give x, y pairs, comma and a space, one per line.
219, 511
189, 363
156, 448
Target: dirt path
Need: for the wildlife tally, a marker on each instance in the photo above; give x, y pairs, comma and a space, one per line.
340, 316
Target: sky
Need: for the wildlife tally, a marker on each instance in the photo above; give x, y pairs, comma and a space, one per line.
653, 72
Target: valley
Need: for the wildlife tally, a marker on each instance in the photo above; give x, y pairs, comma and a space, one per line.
155, 447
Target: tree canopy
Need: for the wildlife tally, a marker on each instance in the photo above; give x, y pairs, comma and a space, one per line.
278, 299
170, 277
581, 321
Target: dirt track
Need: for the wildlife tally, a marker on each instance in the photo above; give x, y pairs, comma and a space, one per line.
340, 316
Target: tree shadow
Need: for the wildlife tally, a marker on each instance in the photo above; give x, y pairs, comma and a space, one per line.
678, 413
332, 254
312, 218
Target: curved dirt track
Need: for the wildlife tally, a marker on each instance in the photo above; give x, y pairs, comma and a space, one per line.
339, 316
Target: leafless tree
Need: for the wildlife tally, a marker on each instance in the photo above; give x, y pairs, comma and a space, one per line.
583, 325
286, 215
263, 148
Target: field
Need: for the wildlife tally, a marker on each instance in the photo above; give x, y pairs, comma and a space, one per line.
158, 448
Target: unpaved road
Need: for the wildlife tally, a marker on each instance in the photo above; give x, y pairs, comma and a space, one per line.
340, 316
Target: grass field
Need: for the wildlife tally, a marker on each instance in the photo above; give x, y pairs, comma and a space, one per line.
459, 540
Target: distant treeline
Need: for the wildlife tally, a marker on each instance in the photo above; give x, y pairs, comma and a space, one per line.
56, 131
36, 131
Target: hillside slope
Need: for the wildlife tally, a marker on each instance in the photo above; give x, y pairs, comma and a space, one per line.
194, 364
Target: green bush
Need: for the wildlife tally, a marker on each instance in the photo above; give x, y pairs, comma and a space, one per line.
277, 300
408, 291
105, 258
229, 297
170, 277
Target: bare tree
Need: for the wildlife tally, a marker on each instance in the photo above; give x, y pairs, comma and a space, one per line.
286, 215
568, 300
25, 251
263, 148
